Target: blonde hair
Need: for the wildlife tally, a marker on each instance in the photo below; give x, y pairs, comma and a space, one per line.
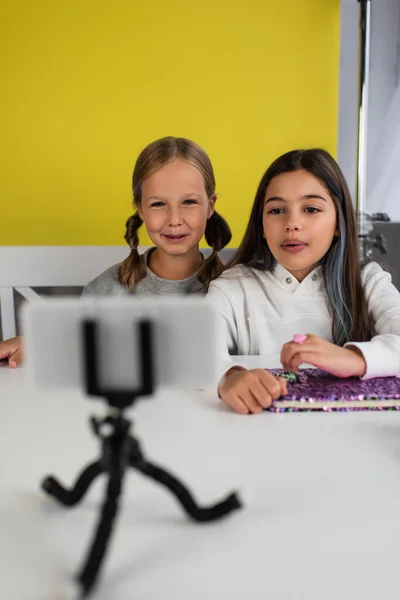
217, 232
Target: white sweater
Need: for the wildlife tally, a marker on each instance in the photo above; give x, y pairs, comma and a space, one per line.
260, 311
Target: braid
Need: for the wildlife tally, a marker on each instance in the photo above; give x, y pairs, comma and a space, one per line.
133, 268
218, 235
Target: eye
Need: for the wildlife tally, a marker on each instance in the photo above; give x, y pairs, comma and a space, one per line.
312, 210
157, 204
190, 201
275, 211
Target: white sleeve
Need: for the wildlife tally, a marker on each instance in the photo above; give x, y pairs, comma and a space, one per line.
227, 334
221, 302
382, 353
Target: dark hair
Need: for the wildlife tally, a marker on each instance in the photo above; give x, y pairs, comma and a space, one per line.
340, 265
217, 232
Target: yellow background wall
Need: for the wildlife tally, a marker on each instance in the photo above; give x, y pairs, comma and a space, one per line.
86, 84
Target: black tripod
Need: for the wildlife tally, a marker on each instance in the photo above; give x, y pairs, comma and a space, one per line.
119, 451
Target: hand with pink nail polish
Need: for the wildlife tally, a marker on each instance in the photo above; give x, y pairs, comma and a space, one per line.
312, 350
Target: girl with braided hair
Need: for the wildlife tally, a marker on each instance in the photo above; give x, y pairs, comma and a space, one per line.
174, 197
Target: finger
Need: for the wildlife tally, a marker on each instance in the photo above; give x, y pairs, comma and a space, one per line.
15, 359
296, 361
283, 383
266, 400
310, 358
236, 403
284, 353
248, 399
271, 384
260, 394
294, 350
289, 350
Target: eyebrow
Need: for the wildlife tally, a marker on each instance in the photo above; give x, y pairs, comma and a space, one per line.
305, 197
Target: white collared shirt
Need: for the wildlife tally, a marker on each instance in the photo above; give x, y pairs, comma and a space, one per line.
262, 310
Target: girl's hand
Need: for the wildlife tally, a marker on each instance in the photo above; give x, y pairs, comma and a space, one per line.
11, 350
341, 362
250, 391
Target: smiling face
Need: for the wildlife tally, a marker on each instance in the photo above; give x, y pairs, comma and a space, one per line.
299, 221
175, 207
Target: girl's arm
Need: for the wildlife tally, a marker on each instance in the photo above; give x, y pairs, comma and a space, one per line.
379, 357
382, 353
227, 338
245, 391
227, 332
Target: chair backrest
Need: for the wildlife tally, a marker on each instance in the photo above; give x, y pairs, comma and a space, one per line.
23, 268
52, 266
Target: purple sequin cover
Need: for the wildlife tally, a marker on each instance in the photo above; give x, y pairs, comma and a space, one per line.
311, 386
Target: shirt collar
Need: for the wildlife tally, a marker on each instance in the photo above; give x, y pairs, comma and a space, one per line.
289, 281
170, 286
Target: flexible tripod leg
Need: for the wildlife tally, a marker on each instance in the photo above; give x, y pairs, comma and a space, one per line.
76, 493
210, 513
90, 570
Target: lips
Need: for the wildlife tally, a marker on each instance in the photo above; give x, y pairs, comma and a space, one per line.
175, 238
293, 242
293, 246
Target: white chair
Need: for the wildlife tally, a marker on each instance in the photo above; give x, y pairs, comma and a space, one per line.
23, 268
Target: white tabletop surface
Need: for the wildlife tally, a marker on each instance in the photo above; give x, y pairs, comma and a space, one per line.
322, 520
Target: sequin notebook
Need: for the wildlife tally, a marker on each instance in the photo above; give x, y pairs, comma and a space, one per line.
312, 389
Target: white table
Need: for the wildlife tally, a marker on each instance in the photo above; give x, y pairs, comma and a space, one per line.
322, 522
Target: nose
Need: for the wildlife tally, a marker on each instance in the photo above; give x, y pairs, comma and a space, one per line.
175, 217
293, 222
